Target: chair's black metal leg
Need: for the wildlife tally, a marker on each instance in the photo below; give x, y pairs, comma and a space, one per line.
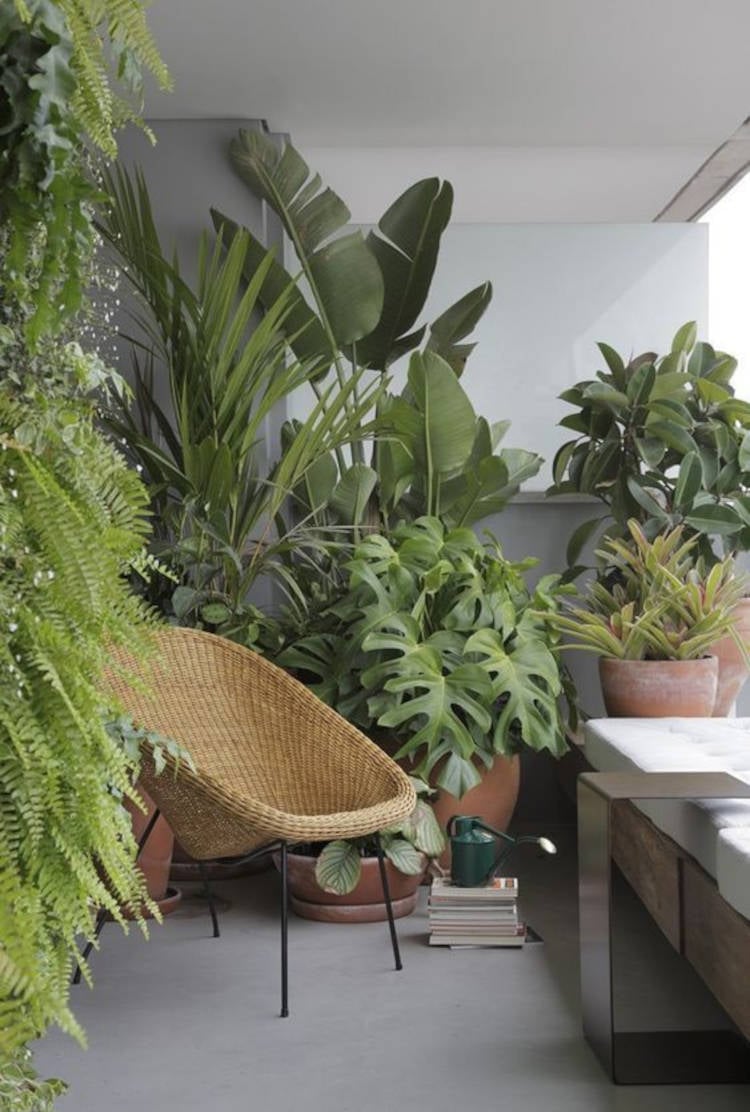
388, 904
101, 919
210, 897
102, 915
284, 932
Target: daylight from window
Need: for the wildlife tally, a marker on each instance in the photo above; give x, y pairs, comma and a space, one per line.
729, 278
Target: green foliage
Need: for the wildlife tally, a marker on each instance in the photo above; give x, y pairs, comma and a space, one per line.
437, 645
656, 602
664, 440
58, 64
216, 495
431, 454
72, 519
21, 1090
406, 845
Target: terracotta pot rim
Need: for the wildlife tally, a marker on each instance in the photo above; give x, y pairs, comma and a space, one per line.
616, 660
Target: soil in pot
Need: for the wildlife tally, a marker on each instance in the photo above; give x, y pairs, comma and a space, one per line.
493, 800
659, 688
364, 904
732, 668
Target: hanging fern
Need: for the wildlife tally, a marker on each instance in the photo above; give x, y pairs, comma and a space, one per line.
71, 73
73, 518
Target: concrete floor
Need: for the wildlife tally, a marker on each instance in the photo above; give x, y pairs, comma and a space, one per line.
188, 1023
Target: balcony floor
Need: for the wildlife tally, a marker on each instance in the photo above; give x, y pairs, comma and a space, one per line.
186, 1023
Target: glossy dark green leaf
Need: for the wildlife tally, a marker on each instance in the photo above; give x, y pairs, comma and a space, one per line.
646, 500
715, 520
641, 384
689, 480
614, 362
673, 436
561, 460
650, 449
579, 539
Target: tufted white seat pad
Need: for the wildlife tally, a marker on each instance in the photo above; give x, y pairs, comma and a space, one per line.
715, 832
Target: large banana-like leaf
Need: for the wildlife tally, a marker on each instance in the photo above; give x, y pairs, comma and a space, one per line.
441, 428
406, 246
456, 323
343, 274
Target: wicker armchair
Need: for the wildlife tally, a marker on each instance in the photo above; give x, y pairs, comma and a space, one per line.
274, 766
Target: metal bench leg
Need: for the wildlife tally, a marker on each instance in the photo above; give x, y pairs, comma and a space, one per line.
388, 904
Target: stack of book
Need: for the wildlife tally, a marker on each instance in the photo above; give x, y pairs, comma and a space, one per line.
486, 916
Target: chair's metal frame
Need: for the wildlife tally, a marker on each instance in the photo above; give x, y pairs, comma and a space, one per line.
283, 848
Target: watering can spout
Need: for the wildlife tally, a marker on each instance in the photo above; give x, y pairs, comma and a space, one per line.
478, 850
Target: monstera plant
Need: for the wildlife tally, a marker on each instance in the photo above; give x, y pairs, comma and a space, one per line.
365, 294
663, 440
437, 646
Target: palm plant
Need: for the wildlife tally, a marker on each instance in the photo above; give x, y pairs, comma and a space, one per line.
216, 495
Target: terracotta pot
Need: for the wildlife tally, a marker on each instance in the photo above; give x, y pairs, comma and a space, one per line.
362, 905
493, 800
156, 858
732, 668
659, 688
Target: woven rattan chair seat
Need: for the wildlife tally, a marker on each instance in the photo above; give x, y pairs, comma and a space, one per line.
271, 760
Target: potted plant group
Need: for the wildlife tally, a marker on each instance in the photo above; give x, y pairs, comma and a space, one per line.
663, 439
436, 649
340, 882
653, 622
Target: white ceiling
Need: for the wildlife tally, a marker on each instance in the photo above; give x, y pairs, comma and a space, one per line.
493, 73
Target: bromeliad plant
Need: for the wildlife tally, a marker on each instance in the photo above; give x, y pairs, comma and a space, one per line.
663, 440
656, 602
406, 845
438, 646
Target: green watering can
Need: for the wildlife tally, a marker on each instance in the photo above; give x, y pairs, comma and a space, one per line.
478, 850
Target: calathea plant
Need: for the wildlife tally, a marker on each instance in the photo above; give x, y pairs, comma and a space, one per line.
437, 646
407, 845
663, 440
365, 296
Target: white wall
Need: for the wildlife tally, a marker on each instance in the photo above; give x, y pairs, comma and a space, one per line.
514, 184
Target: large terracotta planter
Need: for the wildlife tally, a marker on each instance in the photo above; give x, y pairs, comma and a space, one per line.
362, 905
732, 668
156, 858
493, 800
659, 688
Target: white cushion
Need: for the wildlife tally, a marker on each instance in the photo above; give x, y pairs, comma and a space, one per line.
685, 745
733, 867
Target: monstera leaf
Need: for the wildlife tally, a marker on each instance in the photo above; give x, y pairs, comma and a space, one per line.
526, 676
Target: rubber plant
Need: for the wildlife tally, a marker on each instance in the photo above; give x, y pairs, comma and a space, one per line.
217, 494
663, 440
365, 297
437, 644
